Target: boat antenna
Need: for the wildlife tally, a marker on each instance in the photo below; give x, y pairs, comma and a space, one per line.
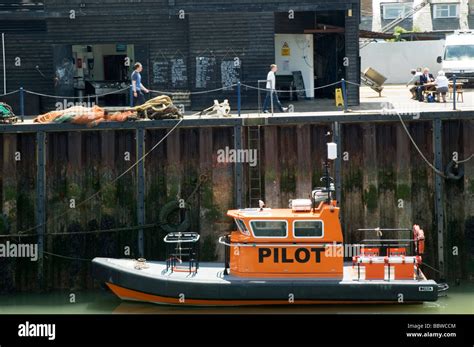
326, 174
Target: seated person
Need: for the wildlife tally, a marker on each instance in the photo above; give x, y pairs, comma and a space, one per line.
426, 81
414, 81
442, 83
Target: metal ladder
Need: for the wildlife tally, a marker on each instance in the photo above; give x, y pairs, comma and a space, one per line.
254, 174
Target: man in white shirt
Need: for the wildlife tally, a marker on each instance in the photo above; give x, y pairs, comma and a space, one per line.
414, 81
271, 91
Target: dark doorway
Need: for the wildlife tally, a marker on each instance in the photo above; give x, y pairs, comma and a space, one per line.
114, 68
329, 54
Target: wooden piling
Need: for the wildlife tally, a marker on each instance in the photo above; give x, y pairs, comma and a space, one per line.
304, 163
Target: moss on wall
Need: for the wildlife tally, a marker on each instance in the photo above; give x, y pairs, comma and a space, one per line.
353, 180
387, 179
403, 192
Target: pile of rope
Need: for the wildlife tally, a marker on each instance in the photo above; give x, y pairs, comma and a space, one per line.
90, 116
217, 110
161, 107
6, 114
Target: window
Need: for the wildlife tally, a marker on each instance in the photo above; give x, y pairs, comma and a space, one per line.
242, 227
270, 228
446, 10
308, 228
395, 10
459, 52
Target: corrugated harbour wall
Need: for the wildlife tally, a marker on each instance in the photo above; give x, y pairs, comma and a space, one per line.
379, 169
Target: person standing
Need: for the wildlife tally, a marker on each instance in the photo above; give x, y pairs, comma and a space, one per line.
137, 86
271, 92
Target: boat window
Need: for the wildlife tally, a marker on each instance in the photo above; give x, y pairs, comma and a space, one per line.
270, 228
242, 228
308, 228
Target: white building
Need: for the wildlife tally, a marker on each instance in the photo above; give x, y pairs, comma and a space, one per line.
436, 15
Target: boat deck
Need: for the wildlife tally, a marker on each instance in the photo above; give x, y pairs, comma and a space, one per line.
214, 273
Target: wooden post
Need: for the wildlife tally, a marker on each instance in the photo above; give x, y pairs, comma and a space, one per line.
370, 176
9, 205
468, 128
238, 175
74, 174
174, 169
9, 180
439, 192
403, 192
303, 170
206, 162
272, 167
140, 150
40, 199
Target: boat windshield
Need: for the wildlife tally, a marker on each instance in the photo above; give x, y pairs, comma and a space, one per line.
241, 226
308, 228
269, 228
459, 52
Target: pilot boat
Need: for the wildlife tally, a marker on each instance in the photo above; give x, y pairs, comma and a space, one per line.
288, 256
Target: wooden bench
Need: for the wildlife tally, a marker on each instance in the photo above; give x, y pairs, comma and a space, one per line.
435, 93
459, 91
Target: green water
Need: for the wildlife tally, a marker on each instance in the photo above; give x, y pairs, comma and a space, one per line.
459, 300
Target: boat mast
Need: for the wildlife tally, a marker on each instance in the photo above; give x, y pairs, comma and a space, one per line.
331, 154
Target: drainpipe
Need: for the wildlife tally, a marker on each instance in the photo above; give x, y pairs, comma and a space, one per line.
422, 19
463, 15
376, 16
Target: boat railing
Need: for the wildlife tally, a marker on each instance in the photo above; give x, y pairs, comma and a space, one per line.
223, 240
385, 245
177, 253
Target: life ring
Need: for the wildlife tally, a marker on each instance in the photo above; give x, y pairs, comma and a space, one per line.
166, 211
454, 171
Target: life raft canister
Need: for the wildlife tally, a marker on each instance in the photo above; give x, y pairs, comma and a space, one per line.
166, 211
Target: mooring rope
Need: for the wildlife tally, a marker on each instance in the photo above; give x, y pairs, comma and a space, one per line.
136, 227
291, 91
193, 93
432, 268
76, 97
9, 93
66, 257
438, 172
465, 160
